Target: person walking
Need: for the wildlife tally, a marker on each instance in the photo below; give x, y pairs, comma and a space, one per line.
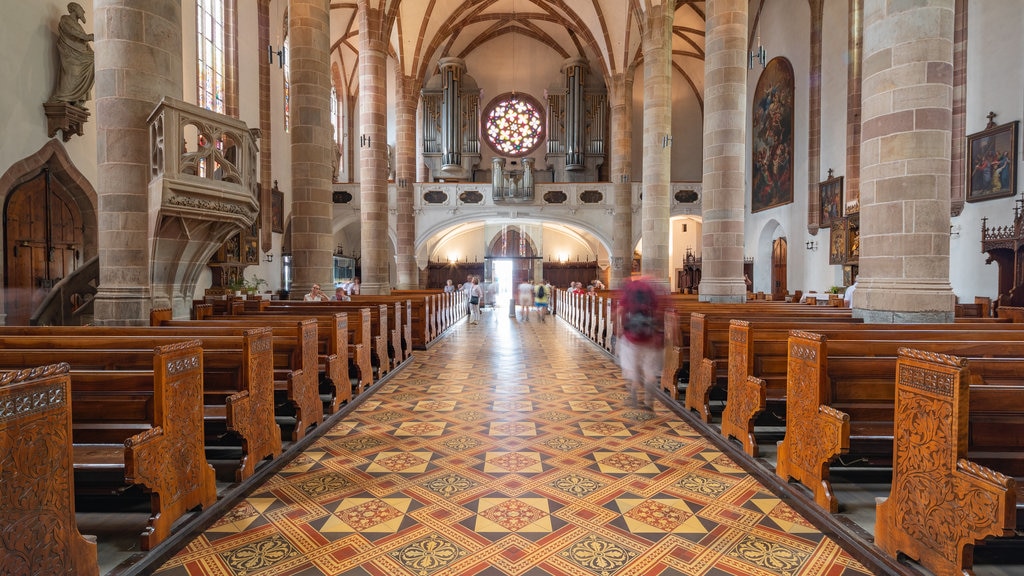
476, 296
640, 318
525, 300
541, 294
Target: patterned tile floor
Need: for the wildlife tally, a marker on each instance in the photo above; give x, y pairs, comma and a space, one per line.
508, 448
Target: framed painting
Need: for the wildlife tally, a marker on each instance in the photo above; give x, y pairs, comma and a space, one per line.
830, 196
992, 171
838, 248
772, 136
276, 210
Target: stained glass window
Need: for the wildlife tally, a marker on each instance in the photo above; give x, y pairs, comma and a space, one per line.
513, 124
286, 65
210, 54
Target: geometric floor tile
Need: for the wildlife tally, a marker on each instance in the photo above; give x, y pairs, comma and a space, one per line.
510, 448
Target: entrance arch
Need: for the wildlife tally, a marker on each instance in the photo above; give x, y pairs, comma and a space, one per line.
49, 210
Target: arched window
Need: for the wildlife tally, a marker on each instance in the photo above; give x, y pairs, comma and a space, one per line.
336, 129
210, 54
513, 124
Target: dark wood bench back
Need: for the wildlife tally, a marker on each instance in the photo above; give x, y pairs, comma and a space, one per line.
38, 498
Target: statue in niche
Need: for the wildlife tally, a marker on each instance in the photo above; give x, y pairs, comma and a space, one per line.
76, 73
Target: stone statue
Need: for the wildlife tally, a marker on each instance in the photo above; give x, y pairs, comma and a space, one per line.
77, 73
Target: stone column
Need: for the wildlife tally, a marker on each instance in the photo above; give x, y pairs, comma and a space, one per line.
855, 71
657, 162
405, 174
620, 170
138, 61
266, 175
814, 174
958, 193
309, 28
725, 125
373, 161
905, 159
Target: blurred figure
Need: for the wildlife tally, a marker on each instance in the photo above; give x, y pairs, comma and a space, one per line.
640, 318
525, 300
540, 299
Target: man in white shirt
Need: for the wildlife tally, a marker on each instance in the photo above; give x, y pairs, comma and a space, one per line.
848, 295
316, 295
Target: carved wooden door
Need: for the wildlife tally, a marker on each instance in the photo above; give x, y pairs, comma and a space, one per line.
779, 251
42, 244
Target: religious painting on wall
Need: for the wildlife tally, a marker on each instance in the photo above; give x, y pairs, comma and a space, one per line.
838, 246
277, 210
992, 172
830, 200
772, 152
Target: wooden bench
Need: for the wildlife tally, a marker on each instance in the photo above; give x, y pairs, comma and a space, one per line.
294, 360
238, 382
140, 428
591, 314
841, 400
334, 359
386, 351
446, 309
360, 340
37, 502
940, 504
761, 349
408, 320
708, 337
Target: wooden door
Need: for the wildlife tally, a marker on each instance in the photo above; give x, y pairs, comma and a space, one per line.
779, 251
42, 244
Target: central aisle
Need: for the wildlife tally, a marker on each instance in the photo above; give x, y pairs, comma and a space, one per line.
507, 448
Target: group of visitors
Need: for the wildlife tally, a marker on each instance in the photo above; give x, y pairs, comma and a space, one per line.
343, 292
533, 296
594, 285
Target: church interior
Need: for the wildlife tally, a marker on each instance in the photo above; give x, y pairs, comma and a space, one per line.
178, 175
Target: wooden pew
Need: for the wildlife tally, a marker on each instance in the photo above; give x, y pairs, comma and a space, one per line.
377, 344
294, 360
940, 503
359, 338
708, 337
410, 318
139, 428
386, 352
448, 308
238, 382
335, 361
37, 502
841, 401
758, 347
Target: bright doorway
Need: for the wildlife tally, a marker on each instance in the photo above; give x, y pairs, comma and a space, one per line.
502, 282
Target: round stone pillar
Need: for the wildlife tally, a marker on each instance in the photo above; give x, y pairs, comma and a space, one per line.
138, 62
657, 143
373, 155
725, 121
312, 149
621, 167
405, 173
905, 159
